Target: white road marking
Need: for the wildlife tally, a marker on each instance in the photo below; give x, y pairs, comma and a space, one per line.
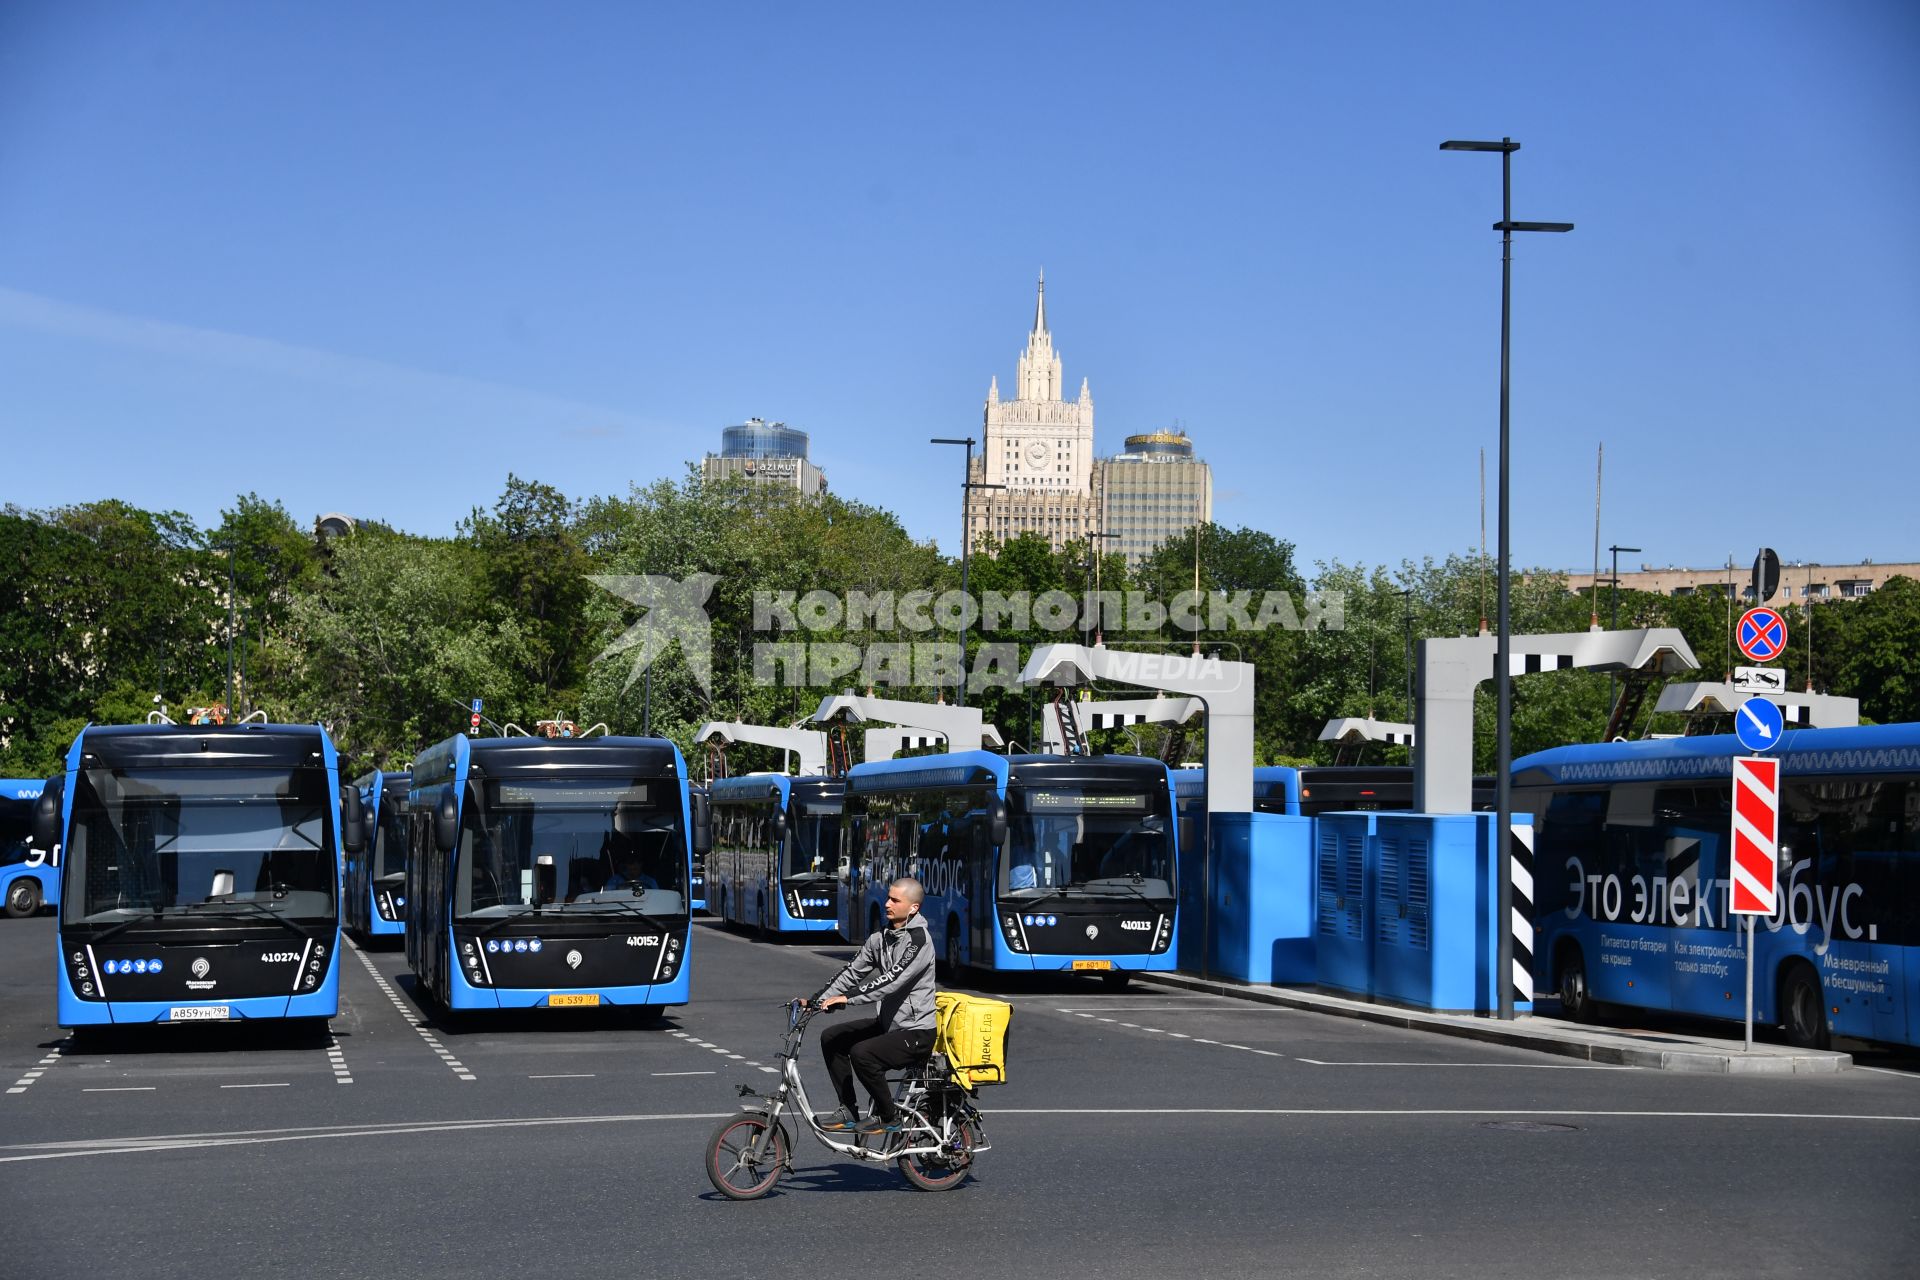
433, 1041
337, 1059
1498, 1066
125, 1088
282, 1084
20, 1152
574, 1075
1316, 1062
38, 1069
1879, 1071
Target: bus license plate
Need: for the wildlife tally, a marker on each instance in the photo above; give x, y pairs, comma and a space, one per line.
558, 1002
199, 1013
1093, 964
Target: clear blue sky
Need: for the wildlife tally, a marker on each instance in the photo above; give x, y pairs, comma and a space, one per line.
373, 257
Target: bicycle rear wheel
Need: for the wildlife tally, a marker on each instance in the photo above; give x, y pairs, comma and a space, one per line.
943, 1172
728, 1168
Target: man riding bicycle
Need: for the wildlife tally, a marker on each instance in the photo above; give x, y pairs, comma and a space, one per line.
894, 969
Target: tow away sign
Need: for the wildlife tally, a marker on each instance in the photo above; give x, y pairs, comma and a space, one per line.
1759, 680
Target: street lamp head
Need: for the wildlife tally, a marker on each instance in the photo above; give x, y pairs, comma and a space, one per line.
1533, 226
950, 440
1507, 145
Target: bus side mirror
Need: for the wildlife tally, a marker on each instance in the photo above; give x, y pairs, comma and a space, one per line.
544, 879
46, 819
702, 825
446, 821
779, 823
997, 822
353, 820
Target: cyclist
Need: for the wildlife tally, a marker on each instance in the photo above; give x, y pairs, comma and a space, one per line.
894, 970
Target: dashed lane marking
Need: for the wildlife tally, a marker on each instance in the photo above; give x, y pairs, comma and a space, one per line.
38, 1069
426, 1033
687, 1037
1315, 1062
337, 1059
122, 1088
1498, 1066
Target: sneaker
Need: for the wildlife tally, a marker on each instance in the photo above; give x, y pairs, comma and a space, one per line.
876, 1124
840, 1119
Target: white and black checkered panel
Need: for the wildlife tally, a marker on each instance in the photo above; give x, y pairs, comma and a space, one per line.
1526, 664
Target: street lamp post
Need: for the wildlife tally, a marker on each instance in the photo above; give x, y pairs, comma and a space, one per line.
231, 549
1503, 677
967, 486
1093, 585
1613, 590
1613, 599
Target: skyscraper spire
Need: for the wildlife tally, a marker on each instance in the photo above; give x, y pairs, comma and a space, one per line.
1040, 306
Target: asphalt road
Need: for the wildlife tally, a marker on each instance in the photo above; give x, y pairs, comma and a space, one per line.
1144, 1133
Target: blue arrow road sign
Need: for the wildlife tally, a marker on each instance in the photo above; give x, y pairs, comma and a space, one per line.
1758, 724
476, 706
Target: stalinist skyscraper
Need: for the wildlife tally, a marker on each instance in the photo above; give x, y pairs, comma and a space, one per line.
1040, 446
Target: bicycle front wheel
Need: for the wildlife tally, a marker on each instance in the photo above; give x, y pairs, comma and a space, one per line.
729, 1167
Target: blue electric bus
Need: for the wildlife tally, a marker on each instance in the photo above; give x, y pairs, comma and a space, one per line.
29, 875
1631, 881
200, 873
1055, 863
775, 864
375, 899
550, 873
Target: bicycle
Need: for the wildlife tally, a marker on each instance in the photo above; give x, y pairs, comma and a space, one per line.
940, 1133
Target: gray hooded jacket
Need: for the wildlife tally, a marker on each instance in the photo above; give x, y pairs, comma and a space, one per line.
893, 969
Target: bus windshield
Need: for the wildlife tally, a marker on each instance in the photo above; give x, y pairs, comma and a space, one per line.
814, 845
16, 825
574, 847
1080, 843
200, 842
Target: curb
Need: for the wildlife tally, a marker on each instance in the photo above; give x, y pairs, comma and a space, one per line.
1567, 1040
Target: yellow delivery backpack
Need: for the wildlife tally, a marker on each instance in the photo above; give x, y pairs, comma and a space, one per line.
972, 1032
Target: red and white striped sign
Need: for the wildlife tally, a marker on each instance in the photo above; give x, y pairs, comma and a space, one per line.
1756, 835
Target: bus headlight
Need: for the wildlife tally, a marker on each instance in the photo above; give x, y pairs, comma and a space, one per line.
1010, 928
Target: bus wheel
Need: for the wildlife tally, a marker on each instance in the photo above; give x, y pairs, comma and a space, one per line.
1576, 1001
1803, 1011
23, 898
